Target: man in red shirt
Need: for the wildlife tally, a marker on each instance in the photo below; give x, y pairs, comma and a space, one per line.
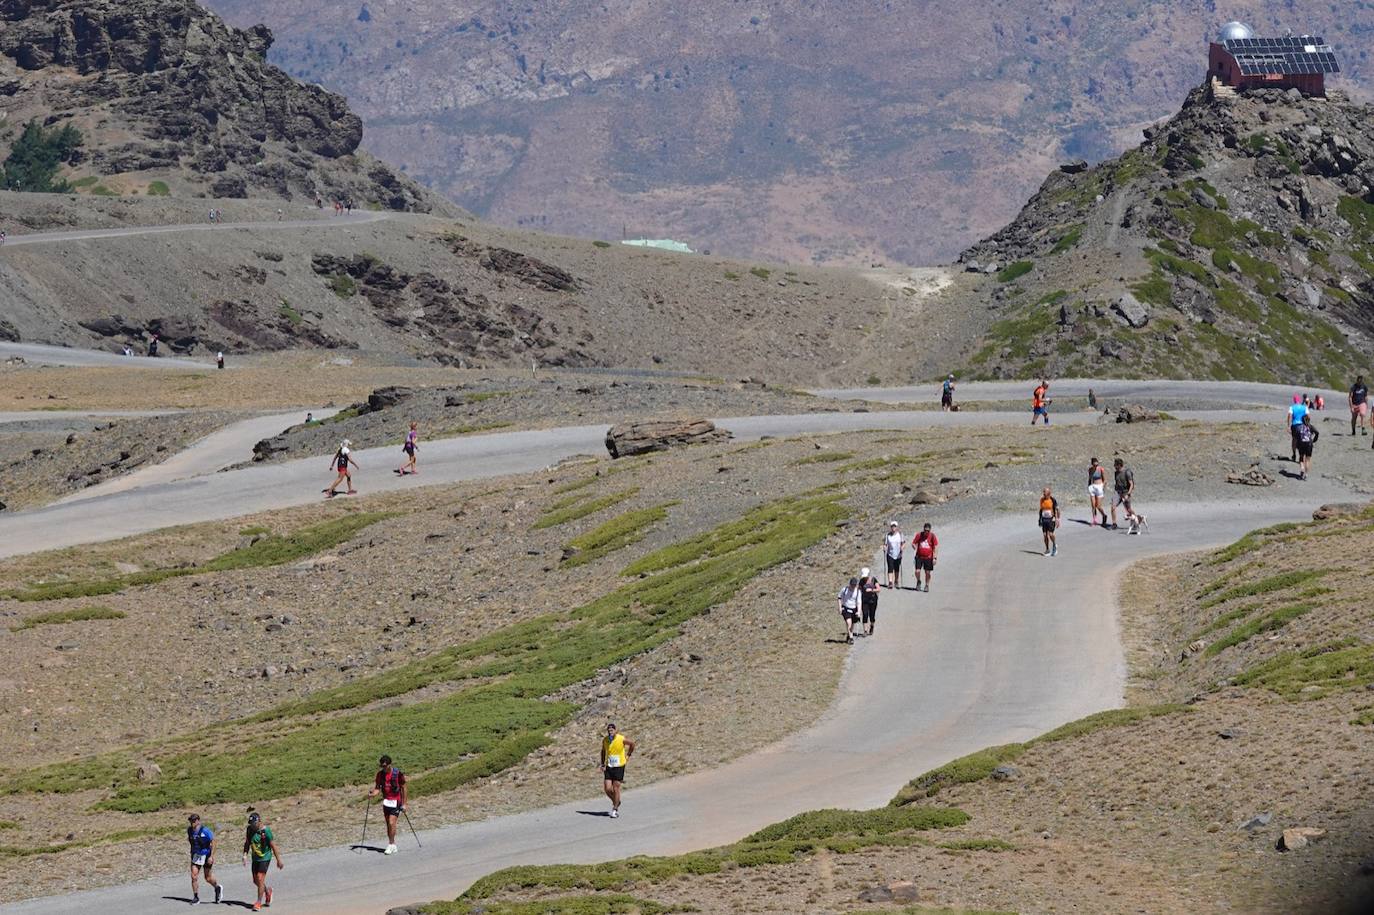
391, 785
926, 545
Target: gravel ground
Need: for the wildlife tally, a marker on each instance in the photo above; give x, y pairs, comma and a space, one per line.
46, 458
465, 560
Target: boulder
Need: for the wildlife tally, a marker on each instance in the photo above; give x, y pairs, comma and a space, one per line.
149, 772
1299, 837
1258, 821
928, 496
1005, 772
626, 439
1252, 477
1338, 510
897, 891
382, 398
1077, 167
1135, 413
270, 447
1131, 310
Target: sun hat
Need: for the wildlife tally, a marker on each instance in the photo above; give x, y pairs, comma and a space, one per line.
865, 572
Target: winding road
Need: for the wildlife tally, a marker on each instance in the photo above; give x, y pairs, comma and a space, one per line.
1009, 645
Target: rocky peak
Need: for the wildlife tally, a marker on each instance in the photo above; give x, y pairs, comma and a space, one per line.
197, 96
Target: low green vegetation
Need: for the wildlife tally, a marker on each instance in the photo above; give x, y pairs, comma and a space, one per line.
343, 286
1360, 214
269, 551
471, 429
575, 485
761, 272
101, 190
823, 457
345, 414
1068, 240
580, 507
158, 189
839, 831
1251, 542
980, 765
74, 615
497, 706
1314, 672
731, 275
291, 315
1267, 623
256, 530
1014, 271
1280, 582
29, 851
614, 904
37, 156
601, 244
615, 534
85, 182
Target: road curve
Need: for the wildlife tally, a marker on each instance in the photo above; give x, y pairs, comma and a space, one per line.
1007, 646
1114, 391
217, 496
324, 222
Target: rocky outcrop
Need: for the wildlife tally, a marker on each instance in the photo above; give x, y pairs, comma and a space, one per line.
628, 439
166, 84
1135, 413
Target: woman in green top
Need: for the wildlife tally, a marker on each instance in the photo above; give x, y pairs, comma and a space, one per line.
262, 846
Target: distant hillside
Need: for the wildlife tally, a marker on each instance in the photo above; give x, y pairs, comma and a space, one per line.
168, 100
817, 132
1236, 242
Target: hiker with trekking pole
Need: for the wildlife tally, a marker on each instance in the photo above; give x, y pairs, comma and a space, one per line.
391, 785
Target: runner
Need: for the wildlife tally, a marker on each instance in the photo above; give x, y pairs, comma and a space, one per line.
1307, 436
1092, 400
340, 463
202, 858
152, 346
409, 448
1295, 415
1358, 398
219, 360
1125, 489
1040, 404
849, 608
947, 394
869, 587
1049, 521
892, 549
926, 546
391, 785
616, 750
261, 845
1097, 489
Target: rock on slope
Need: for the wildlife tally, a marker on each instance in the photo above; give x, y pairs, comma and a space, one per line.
1236, 242
163, 90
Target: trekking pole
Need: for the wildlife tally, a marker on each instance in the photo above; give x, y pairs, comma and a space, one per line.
406, 813
367, 810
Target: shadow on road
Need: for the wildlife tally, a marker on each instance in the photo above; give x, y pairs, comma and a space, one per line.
377, 848
596, 813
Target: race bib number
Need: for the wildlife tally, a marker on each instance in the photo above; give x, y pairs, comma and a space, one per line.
388, 803
614, 762
199, 860
1046, 514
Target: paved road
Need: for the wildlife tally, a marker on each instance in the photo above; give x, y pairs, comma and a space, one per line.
45, 354
324, 222
1114, 392
1008, 645
222, 495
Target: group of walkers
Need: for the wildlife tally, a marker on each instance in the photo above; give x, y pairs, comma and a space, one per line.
259, 851
343, 207
343, 464
859, 598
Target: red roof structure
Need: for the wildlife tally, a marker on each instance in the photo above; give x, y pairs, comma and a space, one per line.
1241, 61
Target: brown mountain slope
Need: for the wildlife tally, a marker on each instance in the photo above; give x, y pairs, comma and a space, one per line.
824, 132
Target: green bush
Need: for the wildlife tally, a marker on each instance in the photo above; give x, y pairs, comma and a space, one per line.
37, 156
158, 189
601, 244
1069, 240
292, 316
573, 508
615, 534
761, 273
101, 190
343, 286
75, 615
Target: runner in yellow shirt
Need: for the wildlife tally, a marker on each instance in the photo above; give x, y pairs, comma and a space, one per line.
616, 750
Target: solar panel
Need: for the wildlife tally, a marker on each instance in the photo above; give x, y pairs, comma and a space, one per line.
1283, 55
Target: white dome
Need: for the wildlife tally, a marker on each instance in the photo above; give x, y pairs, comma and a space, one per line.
1234, 31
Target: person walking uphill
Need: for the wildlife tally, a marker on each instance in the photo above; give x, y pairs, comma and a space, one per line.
202, 858
1358, 398
616, 750
1124, 482
1307, 436
1040, 403
391, 785
412, 443
1097, 490
1295, 415
850, 597
261, 846
869, 588
892, 550
947, 394
340, 463
1049, 521
926, 546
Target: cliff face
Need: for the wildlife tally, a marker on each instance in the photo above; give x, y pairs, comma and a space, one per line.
1237, 241
165, 90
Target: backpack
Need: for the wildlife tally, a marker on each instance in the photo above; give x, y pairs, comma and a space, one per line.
1306, 434
391, 782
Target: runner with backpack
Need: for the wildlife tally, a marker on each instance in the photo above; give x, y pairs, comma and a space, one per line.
1306, 435
410, 446
391, 785
340, 463
925, 545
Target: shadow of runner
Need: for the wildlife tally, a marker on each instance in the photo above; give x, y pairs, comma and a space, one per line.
596, 813
377, 848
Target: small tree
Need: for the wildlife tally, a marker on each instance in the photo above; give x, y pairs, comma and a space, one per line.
36, 157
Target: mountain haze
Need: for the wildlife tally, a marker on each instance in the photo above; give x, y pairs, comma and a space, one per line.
826, 132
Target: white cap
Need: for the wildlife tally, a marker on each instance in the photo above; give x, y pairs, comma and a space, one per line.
892, 524
865, 572
346, 444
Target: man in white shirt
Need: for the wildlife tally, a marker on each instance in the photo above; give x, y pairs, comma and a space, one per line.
892, 549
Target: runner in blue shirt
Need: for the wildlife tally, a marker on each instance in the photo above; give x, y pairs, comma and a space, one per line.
202, 857
1295, 415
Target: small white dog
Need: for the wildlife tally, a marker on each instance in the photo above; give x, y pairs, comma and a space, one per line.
1138, 524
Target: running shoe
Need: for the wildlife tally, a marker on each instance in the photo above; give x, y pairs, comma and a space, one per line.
219, 893
615, 814
257, 907
1047, 552
267, 902
195, 900
1054, 550
390, 850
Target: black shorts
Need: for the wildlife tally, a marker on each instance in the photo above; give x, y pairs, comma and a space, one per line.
408, 448
1304, 449
894, 565
925, 565
262, 867
946, 399
615, 773
847, 614
393, 811
1047, 525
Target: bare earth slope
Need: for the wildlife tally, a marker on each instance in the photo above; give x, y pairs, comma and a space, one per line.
823, 132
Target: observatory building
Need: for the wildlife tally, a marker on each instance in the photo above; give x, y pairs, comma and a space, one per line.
1241, 61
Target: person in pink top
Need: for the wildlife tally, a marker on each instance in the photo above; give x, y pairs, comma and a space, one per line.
412, 443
